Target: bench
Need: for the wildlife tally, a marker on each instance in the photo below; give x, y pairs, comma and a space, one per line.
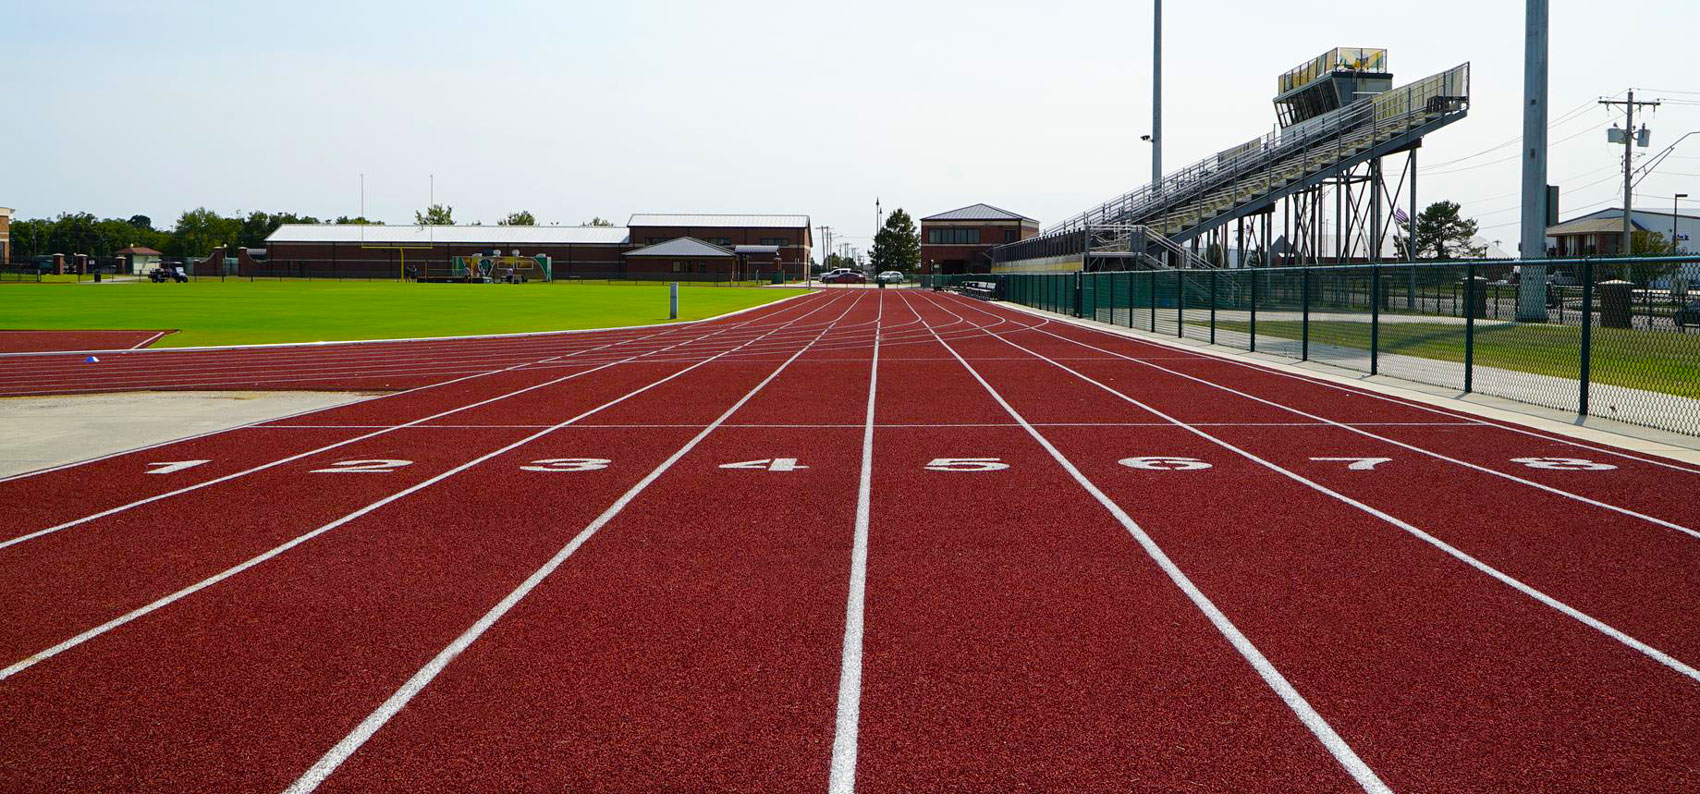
982, 290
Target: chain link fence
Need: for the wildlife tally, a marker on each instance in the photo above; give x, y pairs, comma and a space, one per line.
1617, 338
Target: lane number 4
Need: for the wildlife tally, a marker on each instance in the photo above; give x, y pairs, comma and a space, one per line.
967, 464
1357, 464
1564, 464
767, 464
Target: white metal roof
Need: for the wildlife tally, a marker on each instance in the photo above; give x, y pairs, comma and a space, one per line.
682, 247
701, 221
458, 235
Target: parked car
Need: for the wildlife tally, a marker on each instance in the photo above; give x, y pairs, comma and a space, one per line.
844, 276
890, 277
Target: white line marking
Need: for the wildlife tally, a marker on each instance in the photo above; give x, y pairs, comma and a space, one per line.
1225, 357
148, 341
1588, 620
1319, 727
415, 339
841, 776
1412, 447
167, 600
273, 464
398, 700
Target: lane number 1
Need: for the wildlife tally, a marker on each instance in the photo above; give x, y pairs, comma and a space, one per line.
175, 466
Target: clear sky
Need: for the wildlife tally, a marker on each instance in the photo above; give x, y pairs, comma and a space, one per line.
574, 109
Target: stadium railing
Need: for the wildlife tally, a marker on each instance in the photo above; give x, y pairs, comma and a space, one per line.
1616, 338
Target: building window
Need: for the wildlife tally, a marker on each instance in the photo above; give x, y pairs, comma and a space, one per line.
953, 236
654, 240
723, 242
1010, 236
779, 241
676, 267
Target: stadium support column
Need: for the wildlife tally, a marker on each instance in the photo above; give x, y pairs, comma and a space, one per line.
1157, 96
1532, 279
1376, 186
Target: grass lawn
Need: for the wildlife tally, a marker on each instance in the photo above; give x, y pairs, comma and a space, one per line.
1661, 361
241, 312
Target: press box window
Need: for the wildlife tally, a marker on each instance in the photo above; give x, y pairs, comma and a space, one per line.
953, 236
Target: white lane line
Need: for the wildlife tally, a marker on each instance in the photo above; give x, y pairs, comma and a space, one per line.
1504, 578
167, 600
1395, 442
430, 339
841, 777
273, 464
1227, 358
148, 341
398, 700
1319, 727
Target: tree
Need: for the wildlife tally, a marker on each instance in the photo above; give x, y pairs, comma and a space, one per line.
141, 222
200, 230
257, 226
435, 215
1441, 233
599, 221
75, 234
344, 220
1649, 244
897, 246
1215, 256
521, 218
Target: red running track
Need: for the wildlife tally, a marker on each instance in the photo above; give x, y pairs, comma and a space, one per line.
49, 341
878, 540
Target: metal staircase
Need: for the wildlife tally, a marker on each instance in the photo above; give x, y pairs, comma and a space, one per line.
1252, 177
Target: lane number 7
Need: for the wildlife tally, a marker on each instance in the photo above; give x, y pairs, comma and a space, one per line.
1358, 464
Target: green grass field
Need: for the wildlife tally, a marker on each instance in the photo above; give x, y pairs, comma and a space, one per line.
1661, 361
240, 312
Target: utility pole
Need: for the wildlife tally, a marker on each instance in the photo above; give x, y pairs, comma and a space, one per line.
1532, 244
826, 249
1156, 95
1629, 141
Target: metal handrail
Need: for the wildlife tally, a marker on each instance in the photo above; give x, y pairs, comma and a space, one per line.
1391, 108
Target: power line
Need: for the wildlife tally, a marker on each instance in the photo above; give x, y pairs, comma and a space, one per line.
1568, 117
1518, 155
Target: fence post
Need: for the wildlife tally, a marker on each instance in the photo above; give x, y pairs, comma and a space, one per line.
1587, 334
1213, 274
1180, 304
1304, 314
1079, 295
1253, 347
1152, 294
1469, 328
1374, 319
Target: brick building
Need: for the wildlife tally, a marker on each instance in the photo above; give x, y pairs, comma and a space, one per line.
745, 244
5, 234
961, 240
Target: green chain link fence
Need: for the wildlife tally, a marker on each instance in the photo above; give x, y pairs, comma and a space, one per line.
1615, 338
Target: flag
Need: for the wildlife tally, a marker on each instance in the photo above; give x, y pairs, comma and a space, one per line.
1400, 216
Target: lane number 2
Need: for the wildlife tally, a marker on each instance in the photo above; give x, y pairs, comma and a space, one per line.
374, 466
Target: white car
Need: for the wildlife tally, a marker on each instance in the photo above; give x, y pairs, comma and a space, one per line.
890, 277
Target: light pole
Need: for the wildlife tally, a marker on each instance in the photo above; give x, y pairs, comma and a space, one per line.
1673, 210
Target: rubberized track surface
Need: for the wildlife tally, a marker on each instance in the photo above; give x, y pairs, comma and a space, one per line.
38, 341
876, 540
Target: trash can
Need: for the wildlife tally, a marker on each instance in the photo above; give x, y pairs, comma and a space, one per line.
778, 278
97, 277
1617, 301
